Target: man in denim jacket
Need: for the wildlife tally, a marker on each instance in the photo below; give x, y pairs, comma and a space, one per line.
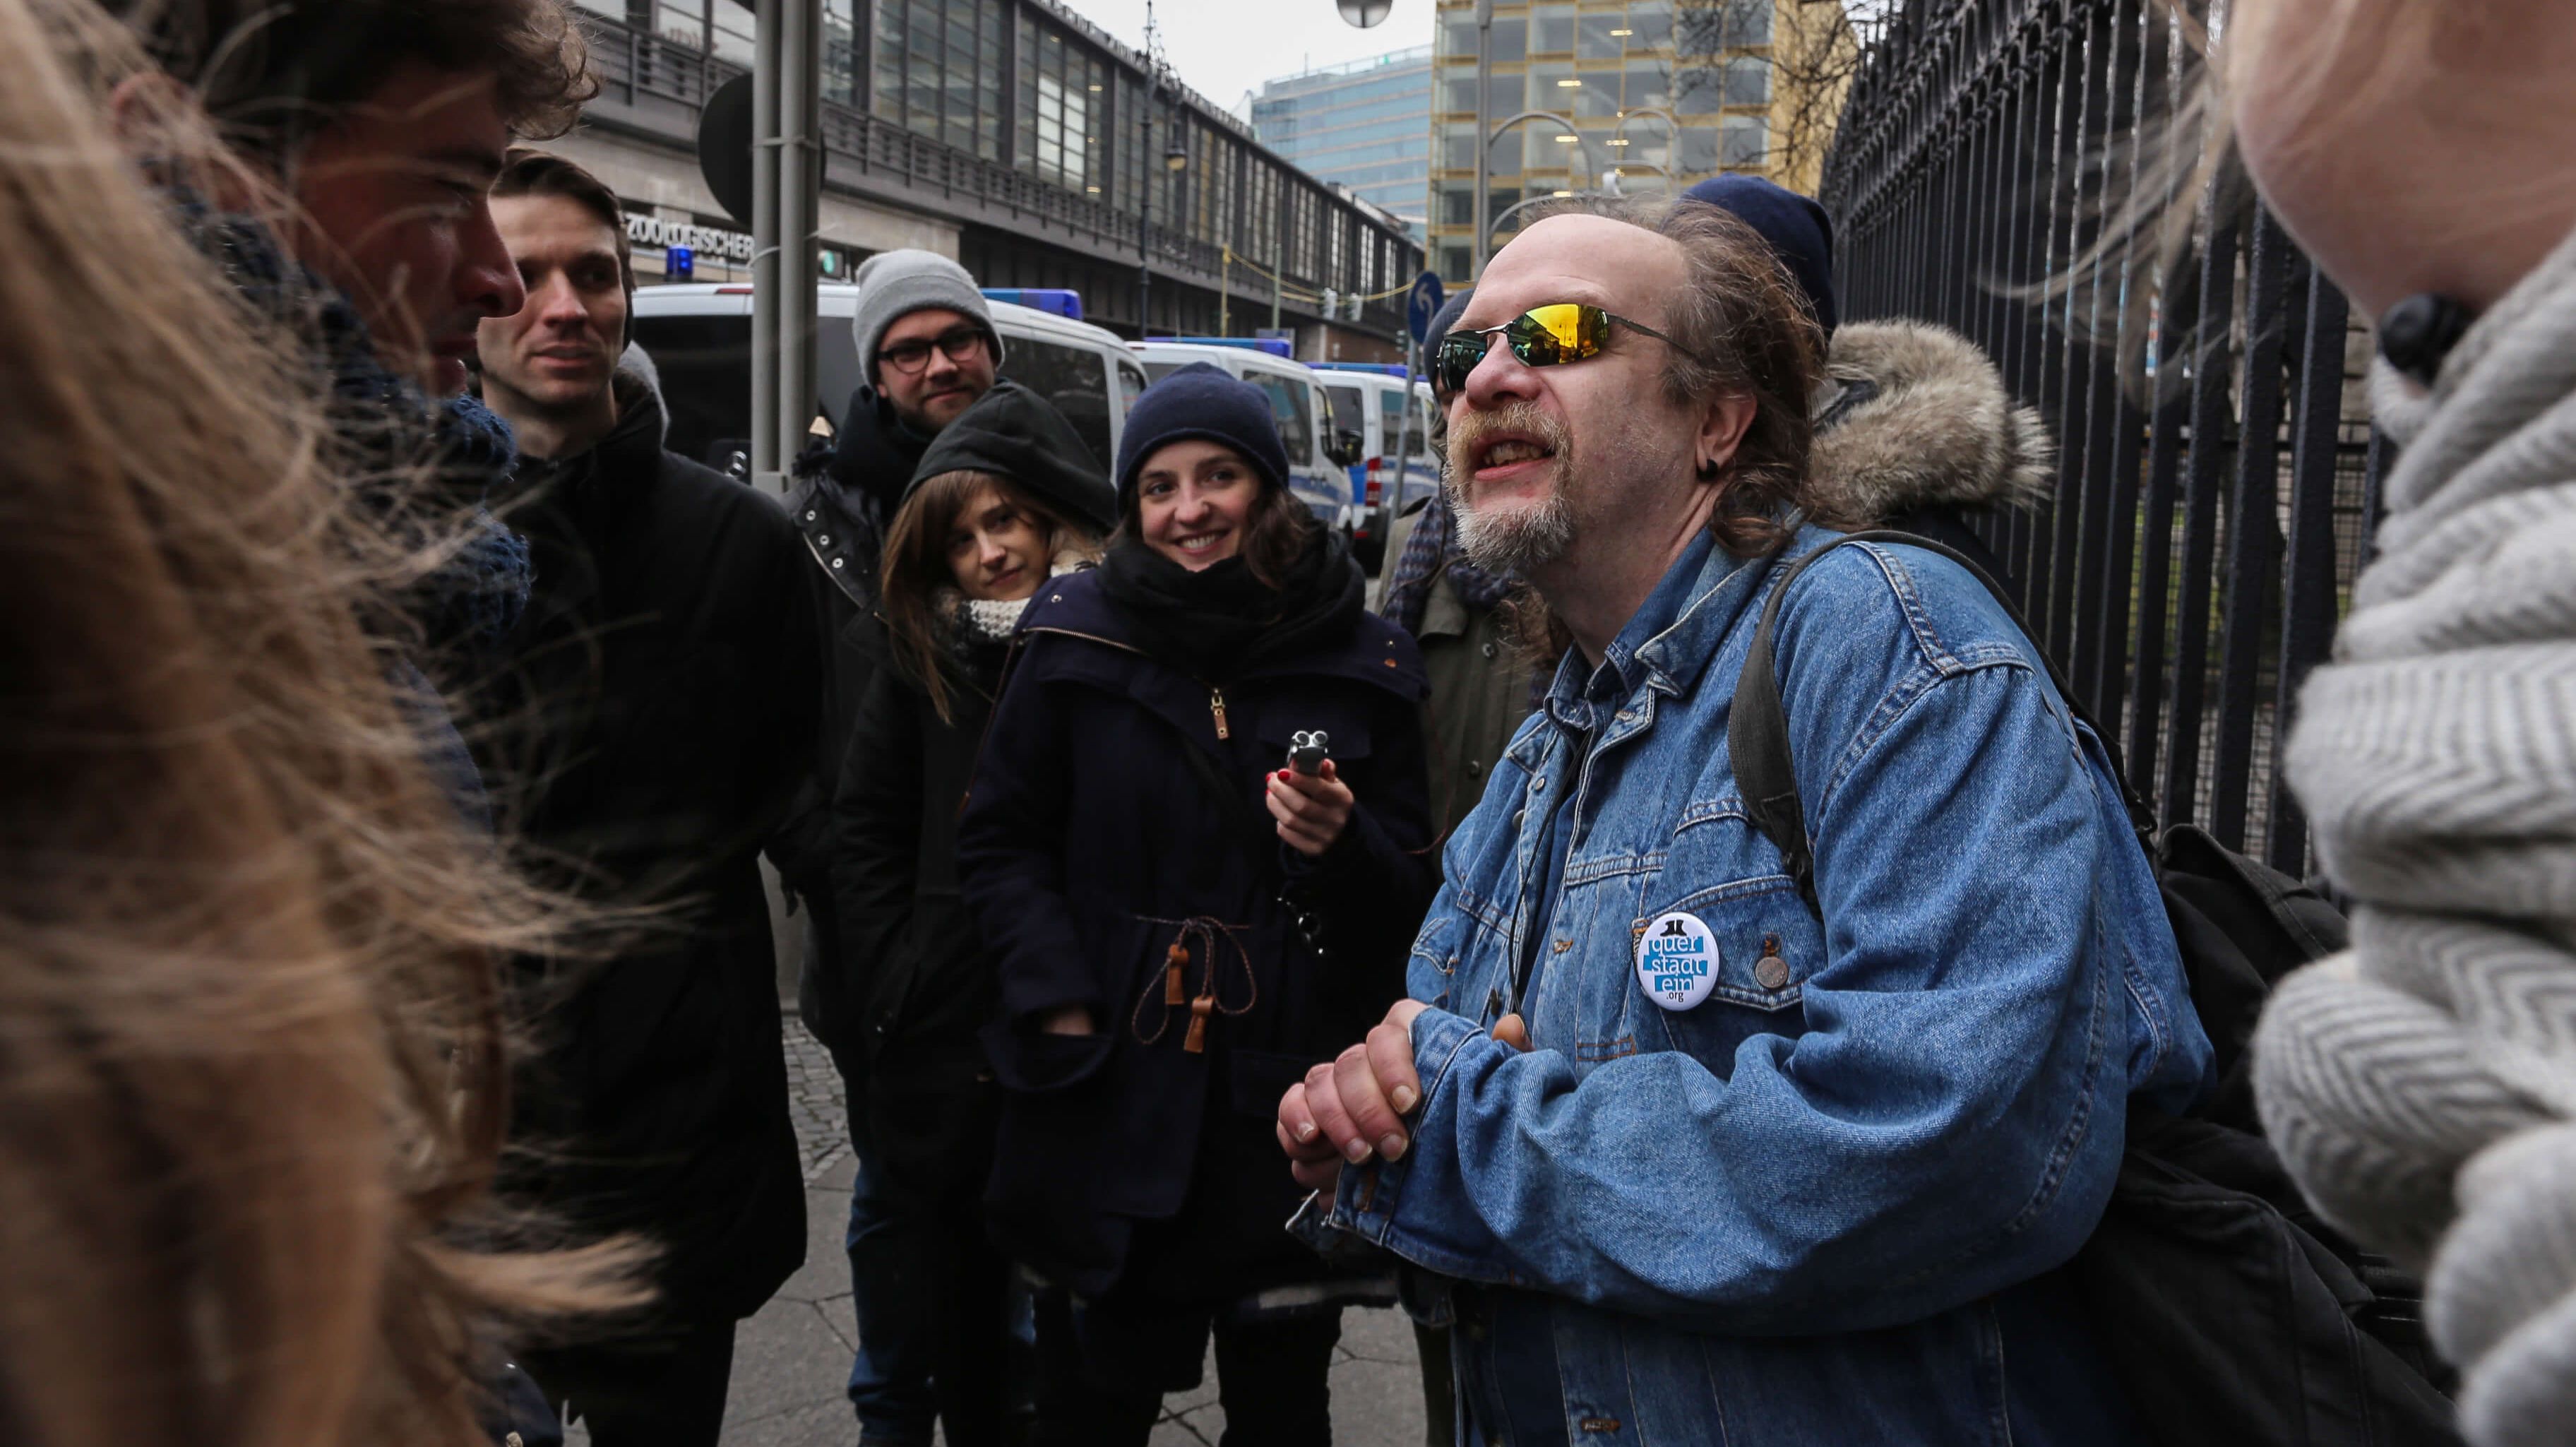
1687, 1163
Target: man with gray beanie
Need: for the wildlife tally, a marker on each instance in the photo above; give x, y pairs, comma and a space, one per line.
927, 351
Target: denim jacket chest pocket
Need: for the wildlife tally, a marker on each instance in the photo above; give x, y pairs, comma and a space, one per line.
1722, 872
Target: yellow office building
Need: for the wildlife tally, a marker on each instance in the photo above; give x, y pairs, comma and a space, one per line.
1644, 95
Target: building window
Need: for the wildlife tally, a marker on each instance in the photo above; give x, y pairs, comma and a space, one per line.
1748, 81
1064, 113
938, 70
1551, 30
1261, 239
1599, 37
1650, 26
1649, 84
1706, 29
1458, 37
840, 52
1598, 95
731, 27
1747, 140
681, 22
1127, 145
1698, 87
1698, 152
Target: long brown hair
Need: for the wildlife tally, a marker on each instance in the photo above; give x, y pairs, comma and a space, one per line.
916, 569
253, 1089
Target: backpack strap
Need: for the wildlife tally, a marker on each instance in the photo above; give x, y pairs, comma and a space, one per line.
1757, 724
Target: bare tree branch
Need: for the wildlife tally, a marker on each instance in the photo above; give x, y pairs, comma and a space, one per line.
1814, 50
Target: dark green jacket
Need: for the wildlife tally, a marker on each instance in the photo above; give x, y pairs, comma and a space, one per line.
1480, 692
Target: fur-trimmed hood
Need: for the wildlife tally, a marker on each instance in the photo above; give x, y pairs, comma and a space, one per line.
1913, 415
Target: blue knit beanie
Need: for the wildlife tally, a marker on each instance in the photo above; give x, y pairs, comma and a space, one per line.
1200, 400
1800, 233
1441, 323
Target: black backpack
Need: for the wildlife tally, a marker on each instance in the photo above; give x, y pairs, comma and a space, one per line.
2227, 1309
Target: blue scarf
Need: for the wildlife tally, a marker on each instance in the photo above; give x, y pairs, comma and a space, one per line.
1430, 551
388, 431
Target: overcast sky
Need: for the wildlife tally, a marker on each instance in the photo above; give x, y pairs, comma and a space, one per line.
1222, 48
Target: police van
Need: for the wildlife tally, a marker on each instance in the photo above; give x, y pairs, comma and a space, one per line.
1317, 458
699, 337
1395, 469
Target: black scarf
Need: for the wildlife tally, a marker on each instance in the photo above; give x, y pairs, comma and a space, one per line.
1222, 622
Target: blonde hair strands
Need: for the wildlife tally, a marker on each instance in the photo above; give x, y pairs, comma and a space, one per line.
250, 1051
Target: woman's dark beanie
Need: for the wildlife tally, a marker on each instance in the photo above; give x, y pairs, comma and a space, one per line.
1012, 432
1201, 401
1800, 233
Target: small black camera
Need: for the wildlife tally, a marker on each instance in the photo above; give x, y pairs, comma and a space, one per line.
1308, 749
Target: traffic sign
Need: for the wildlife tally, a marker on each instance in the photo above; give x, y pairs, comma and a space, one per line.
724, 148
1422, 304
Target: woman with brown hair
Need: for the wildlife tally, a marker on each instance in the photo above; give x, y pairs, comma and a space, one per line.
1197, 849
1006, 498
251, 1095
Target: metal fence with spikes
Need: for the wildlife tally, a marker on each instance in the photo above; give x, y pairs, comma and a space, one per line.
2211, 506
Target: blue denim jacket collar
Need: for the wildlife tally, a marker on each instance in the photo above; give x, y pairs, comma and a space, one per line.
1662, 650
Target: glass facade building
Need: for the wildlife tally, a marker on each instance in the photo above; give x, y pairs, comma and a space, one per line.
1617, 98
1359, 125
1039, 113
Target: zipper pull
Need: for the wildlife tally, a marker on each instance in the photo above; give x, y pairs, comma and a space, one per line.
1216, 706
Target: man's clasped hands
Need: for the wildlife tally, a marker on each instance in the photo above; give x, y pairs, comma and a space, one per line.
1353, 1107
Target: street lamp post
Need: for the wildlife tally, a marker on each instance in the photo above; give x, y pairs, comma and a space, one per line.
1484, 143
1158, 93
1144, 219
1672, 138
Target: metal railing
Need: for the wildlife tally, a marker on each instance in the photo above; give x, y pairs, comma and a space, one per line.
2199, 543
634, 66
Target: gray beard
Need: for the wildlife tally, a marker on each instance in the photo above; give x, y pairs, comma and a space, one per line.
1518, 541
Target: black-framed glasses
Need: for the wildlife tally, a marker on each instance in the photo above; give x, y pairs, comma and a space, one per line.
961, 344
1543, 336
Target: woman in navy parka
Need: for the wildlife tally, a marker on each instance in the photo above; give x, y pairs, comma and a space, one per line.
1183, 924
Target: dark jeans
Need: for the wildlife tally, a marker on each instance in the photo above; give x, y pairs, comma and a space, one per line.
666, 1390
1439, 1387
937, 1305
1102, 1374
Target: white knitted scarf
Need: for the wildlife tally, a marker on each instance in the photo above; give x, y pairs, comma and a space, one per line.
2422, 1087
990, 620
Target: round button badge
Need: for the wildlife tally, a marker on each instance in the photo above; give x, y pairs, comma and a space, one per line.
1676, 960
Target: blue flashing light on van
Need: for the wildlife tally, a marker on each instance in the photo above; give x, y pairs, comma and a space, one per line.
1380, 369
1275, 346
1055, 300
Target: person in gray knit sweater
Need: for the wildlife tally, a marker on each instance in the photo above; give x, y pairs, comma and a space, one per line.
2422, 1086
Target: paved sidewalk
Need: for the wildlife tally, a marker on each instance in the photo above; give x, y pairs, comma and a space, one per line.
791, 1360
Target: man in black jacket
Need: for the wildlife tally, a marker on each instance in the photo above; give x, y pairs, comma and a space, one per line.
663, 701
928, 350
